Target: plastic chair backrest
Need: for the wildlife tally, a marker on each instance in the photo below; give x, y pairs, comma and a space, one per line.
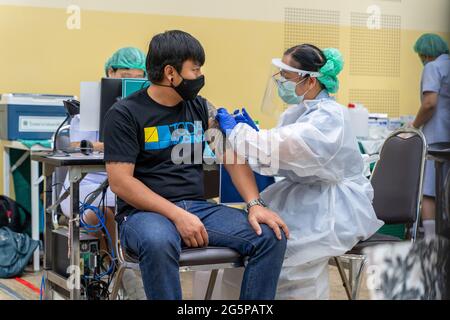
397, 178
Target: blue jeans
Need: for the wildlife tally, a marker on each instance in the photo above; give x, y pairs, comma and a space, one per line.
157, 243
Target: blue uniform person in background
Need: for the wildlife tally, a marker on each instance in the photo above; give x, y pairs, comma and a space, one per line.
434, 113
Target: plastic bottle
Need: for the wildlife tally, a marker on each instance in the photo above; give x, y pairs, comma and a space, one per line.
359, 118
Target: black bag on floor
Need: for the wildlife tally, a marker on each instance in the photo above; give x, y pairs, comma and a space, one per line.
13, 215
16, 250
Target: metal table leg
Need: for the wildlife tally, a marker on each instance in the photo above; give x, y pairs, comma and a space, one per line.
6, 170
74, 234
35, 210
48, 227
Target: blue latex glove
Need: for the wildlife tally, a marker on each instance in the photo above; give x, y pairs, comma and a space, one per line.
244, 117
222, 110
226, 120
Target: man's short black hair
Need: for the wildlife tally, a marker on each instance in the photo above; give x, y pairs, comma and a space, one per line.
173, 48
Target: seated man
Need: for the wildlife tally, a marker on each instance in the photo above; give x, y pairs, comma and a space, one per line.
161, 208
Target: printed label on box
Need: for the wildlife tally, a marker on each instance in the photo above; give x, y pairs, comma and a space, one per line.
39, 124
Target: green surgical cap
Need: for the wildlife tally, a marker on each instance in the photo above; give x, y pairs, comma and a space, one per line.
431, 45
332, 67
126, 58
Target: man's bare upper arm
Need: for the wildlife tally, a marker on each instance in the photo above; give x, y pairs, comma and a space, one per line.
212, 112
117, 171
217, 141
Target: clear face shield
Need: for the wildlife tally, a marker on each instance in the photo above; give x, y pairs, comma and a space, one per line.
281, 85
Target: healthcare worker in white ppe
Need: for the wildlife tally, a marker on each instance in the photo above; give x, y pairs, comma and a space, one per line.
324, 197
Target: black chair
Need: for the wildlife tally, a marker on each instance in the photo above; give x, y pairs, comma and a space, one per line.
397, 181
191, 259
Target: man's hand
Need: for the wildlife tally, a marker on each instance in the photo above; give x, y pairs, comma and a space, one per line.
258, 214
191, 229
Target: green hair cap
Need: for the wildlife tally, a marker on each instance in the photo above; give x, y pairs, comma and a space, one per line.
126, 58
431, 45
332, 67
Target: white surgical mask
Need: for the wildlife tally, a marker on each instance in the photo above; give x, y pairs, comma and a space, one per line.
286, 91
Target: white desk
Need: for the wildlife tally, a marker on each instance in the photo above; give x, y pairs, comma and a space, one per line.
35, 181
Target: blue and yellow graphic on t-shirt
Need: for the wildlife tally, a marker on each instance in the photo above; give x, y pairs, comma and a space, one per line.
161, 137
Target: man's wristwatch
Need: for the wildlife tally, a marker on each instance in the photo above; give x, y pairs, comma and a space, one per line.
255, 202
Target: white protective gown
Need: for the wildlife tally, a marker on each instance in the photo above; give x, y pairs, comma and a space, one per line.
324, 197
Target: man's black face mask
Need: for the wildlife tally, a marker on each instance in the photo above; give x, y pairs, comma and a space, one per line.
188, 89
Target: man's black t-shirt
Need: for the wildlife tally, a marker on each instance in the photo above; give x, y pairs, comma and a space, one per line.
165, 144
